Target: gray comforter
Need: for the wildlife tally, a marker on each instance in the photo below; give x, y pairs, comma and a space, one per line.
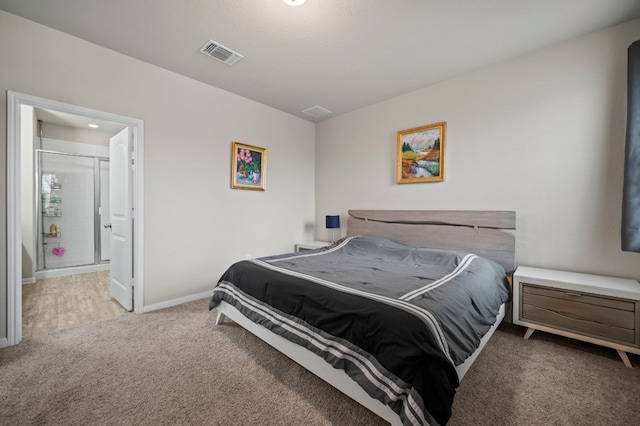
396, 318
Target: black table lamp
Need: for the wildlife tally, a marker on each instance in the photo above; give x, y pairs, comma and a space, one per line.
333, 222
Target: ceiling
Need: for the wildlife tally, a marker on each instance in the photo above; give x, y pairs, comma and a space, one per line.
339, 55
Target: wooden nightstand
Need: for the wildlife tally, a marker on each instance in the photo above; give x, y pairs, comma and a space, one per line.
593, 308
311, 245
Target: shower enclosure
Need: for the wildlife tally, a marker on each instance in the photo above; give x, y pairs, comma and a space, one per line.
72, 208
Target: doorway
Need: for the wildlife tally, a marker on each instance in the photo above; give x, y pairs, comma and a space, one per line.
15, 240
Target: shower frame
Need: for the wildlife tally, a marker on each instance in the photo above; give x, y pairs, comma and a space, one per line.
41, 264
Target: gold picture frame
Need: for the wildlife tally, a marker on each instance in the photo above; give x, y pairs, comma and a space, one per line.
420, 154
248, 167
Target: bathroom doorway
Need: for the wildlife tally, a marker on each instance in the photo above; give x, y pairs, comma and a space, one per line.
22, 222
71, 187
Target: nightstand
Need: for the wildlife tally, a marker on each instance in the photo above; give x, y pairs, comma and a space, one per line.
311, 245
593, 308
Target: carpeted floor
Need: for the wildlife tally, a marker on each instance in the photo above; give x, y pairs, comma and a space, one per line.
175, 366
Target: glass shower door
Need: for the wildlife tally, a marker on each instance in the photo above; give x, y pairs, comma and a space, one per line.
66, 211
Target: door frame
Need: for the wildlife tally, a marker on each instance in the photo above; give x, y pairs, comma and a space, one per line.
14, 195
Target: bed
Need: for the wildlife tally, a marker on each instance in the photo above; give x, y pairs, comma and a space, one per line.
393, 315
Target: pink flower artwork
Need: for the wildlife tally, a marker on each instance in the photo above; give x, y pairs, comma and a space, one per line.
247, 165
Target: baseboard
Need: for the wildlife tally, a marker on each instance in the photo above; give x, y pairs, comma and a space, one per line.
175, 302
4, 342
31, 280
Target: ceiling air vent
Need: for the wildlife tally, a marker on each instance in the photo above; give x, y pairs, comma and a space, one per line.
317, 111
220, 53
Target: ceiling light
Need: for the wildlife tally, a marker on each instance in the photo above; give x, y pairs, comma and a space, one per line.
94, 126
295, 2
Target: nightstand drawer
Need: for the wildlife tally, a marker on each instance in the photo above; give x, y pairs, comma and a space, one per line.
595, 315
582, 297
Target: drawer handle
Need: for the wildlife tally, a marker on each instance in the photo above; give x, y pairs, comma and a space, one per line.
573, 294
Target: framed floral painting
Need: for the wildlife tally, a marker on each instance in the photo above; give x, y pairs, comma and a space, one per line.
420, 156
248, 166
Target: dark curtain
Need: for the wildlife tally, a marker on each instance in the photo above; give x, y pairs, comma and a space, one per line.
631, 189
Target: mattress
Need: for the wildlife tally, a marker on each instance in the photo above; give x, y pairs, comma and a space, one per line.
397, 319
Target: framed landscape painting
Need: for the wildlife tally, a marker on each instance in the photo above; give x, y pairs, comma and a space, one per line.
248, 166
420, 155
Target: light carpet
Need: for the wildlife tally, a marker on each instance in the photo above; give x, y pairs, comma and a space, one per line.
175, 366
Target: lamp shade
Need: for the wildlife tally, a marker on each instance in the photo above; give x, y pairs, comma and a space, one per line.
333, 222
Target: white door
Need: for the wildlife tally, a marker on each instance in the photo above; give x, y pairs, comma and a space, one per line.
121, 218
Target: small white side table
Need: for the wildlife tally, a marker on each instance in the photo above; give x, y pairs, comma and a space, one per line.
311, 245
593, 308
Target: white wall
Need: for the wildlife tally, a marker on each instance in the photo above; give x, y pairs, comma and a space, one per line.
542, 135
74, 134
27, 135
195, 224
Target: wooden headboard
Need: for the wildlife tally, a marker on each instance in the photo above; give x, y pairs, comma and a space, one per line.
489, 234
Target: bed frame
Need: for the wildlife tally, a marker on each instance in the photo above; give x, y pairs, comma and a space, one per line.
486, 233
